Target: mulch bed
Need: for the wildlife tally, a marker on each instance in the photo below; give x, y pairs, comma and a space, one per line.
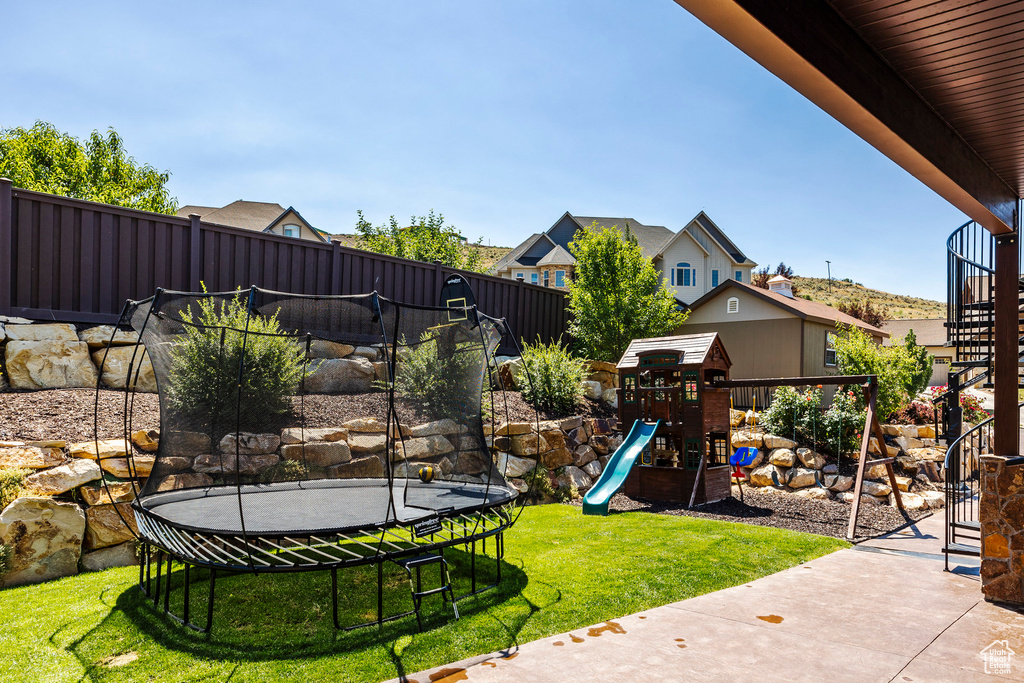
68, 413
784, 511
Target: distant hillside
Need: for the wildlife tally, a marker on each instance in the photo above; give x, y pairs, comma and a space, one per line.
897, 306
488, 255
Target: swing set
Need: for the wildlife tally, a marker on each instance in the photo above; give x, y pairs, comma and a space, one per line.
869, 385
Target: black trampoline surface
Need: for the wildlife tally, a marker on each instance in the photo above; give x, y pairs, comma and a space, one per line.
301, 508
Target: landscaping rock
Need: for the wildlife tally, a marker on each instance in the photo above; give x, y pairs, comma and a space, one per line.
367, 443
583, 454
800, 477
570, 423
94, 450
105, 335
865, 499
908, 464
873, 488
366, 425
62, 479
444, 426
555, 438
318, 454
247, 443
225, 463
147, 441
737, 418
908, 443
611, 397
912, 502
321, 348
176, 463
30, 457
601, 444
104, 526
773, 441
340, 376
114, 492
814, 493
903, 483
891, 451
424, 447
876, 472
187, 444
592, 469
559, 457
831, 468
592, 389
529, 444
367, 352
600, 426
514, 428
762, 476
930, 454
514, 466
573, 476
49, 365
783, 457
810, 459
934, 499
747, 439
891, 430
367, 467
926, 431
190, 480
843, 483
908, 431
142, 465
122, 555
41, 332
519, 485
45, 536
116, 362
293, 435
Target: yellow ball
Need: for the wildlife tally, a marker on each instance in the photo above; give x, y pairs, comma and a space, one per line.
426, 474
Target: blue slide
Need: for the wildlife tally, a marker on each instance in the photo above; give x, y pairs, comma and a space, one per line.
618, 467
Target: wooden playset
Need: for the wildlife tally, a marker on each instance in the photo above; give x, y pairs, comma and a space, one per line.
670, 379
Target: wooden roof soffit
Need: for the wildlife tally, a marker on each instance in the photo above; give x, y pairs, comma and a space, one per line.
808, 45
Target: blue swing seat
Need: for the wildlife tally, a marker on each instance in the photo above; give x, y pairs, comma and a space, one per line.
742, 458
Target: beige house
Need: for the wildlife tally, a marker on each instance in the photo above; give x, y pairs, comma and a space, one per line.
258, 216
931, 334
694, 260
771, 333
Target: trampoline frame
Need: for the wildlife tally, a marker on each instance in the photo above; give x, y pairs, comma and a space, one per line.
298, 550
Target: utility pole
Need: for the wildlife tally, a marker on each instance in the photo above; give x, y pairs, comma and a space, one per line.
829, 276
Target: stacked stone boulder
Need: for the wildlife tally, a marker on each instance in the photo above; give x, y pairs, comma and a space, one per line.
783, 466
573, 451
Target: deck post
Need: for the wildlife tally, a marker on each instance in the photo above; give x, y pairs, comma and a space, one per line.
1005, 344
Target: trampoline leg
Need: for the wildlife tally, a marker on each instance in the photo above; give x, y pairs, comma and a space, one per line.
187, 580
209, 604
416, 598
472, 565
334, 596
167, 589
159, 566
380, 593
499, 553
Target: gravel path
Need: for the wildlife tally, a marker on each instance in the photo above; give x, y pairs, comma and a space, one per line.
784, 511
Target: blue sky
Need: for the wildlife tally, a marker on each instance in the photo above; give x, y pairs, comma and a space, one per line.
500, 115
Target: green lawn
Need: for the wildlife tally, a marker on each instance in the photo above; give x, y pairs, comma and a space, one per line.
562, 571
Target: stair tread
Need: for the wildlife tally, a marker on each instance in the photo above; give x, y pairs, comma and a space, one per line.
962, 549
968, 524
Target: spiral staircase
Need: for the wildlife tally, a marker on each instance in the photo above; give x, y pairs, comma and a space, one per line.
970, 324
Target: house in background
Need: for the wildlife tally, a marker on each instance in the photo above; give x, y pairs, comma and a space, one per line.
771, 333
693, 260
259, 216
931, 334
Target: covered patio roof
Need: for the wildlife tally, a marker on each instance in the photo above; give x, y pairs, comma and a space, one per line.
937, 86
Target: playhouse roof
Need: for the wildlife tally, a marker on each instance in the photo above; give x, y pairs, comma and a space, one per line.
694, 348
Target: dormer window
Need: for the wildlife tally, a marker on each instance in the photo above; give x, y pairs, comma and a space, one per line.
684, 276
290, 230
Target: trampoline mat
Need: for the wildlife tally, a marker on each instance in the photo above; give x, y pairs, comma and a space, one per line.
307, 507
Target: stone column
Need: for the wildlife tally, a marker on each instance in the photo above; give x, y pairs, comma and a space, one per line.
1001, 513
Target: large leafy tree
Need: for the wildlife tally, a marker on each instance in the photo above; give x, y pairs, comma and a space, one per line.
99, 169
617, 294
426, 238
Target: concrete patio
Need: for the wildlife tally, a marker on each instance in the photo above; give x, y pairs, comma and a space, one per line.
882, 611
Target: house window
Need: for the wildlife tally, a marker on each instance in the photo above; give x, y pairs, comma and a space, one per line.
732, 305
534, 278
559, 278
684, 275
629, 389
692, 454
739, 276
714, 278
830, 350
291, 231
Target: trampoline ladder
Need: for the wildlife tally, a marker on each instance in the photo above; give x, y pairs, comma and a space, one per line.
409, 564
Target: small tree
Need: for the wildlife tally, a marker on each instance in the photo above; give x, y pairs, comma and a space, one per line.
426, 238
44, 159
921, 364
863, 310
550, 378
617, 295
761, 276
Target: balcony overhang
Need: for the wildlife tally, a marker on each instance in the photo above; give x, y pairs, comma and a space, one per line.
860, 60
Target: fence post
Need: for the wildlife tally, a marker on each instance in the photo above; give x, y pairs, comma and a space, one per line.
438, 284
195, 272
6, 246
335, 267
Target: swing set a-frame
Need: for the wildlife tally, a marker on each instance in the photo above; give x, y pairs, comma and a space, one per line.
869, 385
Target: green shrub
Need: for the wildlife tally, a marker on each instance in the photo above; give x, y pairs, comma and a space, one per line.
799, 416
10, 484
842, 424
434, 379
285, 470
550, 378
205, 364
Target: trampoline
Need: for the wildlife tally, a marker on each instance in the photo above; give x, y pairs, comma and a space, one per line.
303, 433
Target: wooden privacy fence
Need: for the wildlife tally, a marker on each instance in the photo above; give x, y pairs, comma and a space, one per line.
71, 260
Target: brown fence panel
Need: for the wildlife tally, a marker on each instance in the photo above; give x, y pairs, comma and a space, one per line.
76, 261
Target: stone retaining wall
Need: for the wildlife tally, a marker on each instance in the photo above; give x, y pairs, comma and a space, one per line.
1001, 512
